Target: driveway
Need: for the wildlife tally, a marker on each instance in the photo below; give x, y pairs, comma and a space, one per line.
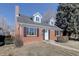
37, 49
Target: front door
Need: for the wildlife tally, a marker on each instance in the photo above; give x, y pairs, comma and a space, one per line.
46, 34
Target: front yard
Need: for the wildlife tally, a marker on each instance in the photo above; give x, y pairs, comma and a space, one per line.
36, 49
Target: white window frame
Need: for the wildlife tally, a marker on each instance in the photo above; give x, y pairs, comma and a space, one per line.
52, 23
38, 19
58, 34
29, 31
37, 15
52, 20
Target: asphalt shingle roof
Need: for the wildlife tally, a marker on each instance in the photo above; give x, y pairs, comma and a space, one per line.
29, 20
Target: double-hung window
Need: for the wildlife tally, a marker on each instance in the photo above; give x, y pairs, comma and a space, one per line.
37, 19
52, 23
31, 31
58, 33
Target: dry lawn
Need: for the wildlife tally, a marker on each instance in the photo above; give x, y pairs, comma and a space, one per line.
36, 49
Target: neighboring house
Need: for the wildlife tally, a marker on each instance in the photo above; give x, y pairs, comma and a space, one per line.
1, 32
36, 28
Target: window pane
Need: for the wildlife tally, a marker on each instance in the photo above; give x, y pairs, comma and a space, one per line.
51, 22
58, 33
31, 31
37, 18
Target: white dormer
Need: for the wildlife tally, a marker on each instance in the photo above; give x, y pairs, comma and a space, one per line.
37, 17
52, 21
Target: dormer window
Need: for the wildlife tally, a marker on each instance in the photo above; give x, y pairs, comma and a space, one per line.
37, 17
52, 21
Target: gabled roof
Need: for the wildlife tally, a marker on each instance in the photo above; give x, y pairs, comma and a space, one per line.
37, 14
24, 19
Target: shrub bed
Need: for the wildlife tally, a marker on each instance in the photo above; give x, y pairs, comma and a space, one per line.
9, 40
62, 40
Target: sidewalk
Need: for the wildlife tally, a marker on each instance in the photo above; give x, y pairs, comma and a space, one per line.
60, 45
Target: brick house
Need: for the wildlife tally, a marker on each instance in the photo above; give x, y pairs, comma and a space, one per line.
36, 28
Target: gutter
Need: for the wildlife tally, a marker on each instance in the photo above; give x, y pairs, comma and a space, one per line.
47, 27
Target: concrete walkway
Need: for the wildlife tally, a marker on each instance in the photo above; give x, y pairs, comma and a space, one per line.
66, 47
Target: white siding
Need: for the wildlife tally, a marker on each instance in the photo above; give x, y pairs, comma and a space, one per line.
37, 15
52, 22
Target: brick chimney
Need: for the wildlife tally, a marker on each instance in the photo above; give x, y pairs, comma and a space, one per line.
17, 11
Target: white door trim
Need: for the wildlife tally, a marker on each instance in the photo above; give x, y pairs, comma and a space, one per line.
46, 34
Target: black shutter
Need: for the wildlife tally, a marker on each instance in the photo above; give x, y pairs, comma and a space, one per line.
49, 34
55, 32
24, 31
37, 32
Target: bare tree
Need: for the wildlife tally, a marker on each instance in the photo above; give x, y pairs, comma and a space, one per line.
4, 25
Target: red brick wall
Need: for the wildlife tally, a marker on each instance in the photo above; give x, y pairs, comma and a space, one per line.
52, 35
29, 39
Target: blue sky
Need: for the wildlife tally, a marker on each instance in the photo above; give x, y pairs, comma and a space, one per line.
8, 10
